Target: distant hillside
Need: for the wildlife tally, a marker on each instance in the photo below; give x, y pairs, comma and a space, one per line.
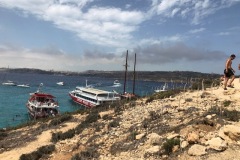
140, 75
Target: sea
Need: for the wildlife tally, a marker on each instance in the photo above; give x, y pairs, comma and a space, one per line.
13, 99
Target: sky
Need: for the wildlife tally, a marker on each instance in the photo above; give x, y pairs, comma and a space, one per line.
80, 35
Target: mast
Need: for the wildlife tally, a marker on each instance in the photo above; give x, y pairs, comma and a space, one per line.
125, 77
134, 75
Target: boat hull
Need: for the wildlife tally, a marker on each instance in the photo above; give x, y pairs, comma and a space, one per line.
82, 101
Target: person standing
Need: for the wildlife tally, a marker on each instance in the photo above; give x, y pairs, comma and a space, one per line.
229, 72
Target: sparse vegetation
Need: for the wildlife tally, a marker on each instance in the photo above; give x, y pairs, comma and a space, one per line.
60, 119
89, 153
132, 135
226, 103
169, 144
61, 136
40, 153
114, 123
3, 135
162, 95
232, 115
188, 99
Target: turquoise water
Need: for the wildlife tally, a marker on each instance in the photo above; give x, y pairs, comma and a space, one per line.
13, 99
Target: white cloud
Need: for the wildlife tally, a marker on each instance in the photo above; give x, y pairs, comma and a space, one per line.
194, 10
97, 25
224, 33
197, 30
161, 40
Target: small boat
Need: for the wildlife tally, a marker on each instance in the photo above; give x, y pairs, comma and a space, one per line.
60, 83
163, 89
116, 83
23, 85
9, 83
42, 105
91, 97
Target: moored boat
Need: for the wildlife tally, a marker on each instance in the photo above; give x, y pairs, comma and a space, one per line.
116, 83
91, 97
9, 83
42, 105
23, 85
60, 83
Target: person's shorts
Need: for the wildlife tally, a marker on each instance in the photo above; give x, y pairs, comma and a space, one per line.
229, 73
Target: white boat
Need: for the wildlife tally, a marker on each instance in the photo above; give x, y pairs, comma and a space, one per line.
9, 83
116, 83
163, 89
42, 105
23, 85
60, 83
91, 97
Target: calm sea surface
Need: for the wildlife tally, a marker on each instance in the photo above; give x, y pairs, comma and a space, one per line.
13, 99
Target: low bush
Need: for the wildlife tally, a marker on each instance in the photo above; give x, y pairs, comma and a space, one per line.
169, 144
61, 136
89, 153
226, 103
114, 123
60, 119
41, 152
3, 135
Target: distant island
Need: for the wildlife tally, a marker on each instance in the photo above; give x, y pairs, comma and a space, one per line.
161, 76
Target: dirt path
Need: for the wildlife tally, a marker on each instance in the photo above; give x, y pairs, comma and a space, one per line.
42, 140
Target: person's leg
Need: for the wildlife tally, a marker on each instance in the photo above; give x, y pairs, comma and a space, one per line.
225, 82
232, 79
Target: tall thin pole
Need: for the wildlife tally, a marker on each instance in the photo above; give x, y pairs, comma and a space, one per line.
134, 75
125, 78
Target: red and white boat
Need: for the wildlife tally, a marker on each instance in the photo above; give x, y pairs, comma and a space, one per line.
42, 105
91, 97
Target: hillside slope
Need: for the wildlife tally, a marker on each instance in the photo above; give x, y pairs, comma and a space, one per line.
190, 125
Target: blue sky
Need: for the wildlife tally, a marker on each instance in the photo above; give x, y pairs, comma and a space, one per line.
79, 35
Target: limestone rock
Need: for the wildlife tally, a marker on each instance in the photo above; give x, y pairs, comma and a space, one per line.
184, 144
173, 136
217, 144
193, 137
140, 136
154, 149
232, 132
153, 139
197, 150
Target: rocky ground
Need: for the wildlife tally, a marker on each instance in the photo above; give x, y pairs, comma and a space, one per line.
191, 125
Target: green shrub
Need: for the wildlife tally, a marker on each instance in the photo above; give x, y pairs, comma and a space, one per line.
169, 144
188, 99
150, 99
113, 124
3, 135
62, 136
41, 152
232, 115
92, 117
60, 119
132, 135
226, 103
